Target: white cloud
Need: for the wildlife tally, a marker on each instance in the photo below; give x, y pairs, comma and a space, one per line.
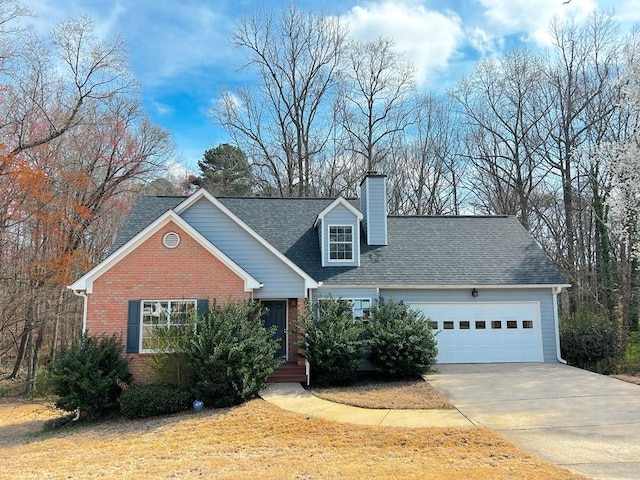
429, 38
162, 109
627, 11
485, 43
178, 38
531, 18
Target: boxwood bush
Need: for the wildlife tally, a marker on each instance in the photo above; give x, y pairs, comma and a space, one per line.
139, 401
402, 344
232, 354
332, 341
85, 375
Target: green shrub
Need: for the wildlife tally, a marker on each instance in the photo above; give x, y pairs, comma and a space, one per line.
401, 341
590, 342
630, 362
140, 401
232, 354
85, 375
170, 364
332, 342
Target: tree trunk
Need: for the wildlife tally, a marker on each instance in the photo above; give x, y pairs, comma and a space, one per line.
21, 351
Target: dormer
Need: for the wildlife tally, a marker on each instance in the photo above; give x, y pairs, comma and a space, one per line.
339, 234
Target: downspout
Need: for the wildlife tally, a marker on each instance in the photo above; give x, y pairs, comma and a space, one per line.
555, 291
83, 294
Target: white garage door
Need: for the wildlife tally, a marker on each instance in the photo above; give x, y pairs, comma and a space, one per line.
486, 332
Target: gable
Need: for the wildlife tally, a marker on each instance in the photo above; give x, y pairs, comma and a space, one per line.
152, 270
339, 218
85, 283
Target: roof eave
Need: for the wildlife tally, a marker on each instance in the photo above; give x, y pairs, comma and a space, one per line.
395, 286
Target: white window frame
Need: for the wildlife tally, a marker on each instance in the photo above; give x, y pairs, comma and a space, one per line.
335, 242
357, 306
157, 311
354, 304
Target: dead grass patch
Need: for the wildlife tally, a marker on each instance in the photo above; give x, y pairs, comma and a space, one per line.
403, 395
255, 440
628, 378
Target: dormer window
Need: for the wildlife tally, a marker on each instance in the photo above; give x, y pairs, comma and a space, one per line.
340, 242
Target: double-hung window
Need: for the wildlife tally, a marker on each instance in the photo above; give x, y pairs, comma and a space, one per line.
174, 315
340, 242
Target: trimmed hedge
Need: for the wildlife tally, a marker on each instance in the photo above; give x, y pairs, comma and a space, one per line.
139, 401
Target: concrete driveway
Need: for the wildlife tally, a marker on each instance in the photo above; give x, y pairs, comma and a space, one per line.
585, 422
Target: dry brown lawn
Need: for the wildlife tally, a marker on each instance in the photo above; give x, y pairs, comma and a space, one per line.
255, 440
628, 378
417, 394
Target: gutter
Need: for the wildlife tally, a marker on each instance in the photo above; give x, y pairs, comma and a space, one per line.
555, 291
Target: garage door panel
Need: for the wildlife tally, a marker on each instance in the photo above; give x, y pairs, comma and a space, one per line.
511, 342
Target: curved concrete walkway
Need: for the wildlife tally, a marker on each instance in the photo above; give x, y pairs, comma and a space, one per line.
292, 397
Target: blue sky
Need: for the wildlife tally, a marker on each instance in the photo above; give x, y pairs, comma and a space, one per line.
179, 50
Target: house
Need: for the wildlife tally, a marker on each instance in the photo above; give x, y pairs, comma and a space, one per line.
484, 283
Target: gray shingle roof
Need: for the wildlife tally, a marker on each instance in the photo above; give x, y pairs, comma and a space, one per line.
143, 213
421, 250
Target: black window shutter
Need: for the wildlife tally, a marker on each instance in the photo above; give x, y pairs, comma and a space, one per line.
133, 327
203, 306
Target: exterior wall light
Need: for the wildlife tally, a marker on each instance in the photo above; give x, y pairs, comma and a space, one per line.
293, 302
474, 292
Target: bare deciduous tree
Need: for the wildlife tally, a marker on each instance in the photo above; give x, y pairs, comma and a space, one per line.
375, 101
280, 124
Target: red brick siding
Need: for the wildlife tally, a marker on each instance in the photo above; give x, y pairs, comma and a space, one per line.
153, 271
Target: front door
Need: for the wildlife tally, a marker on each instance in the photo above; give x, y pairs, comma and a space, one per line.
277, 315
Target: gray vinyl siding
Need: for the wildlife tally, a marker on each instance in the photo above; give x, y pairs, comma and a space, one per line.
373, 204
542, 295
363, 209
350, 293
279, 280
340, 215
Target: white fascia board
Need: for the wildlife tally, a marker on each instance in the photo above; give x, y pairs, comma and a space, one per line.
328, 286
202, 193
334, 204
85, 283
